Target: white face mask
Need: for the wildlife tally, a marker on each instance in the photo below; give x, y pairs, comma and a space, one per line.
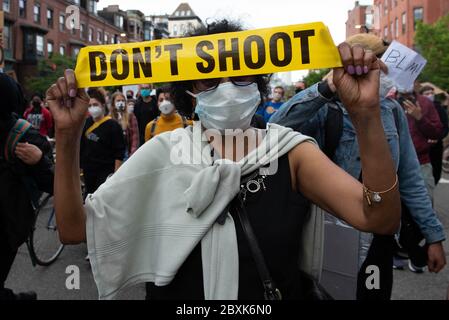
166, 107
95, 111
431, 97
228, 106
385, 85
120, 105
130, 108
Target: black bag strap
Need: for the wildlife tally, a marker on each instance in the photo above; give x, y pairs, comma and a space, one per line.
270, 290
333, 128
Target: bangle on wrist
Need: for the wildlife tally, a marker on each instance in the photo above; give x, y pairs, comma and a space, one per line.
374, 196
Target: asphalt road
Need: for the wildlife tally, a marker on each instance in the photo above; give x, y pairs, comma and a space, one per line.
50, 282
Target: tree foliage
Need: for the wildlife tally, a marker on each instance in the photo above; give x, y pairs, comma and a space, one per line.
432, 41
48, 71
315, 76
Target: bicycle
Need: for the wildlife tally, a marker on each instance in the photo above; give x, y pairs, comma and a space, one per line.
43, 243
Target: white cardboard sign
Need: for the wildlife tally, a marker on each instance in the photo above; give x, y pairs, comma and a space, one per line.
404, 65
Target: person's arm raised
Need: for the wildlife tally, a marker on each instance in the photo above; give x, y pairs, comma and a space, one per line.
331, 187
68, 105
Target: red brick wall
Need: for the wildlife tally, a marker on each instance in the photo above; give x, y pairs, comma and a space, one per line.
58, 38
432, 11
356, 16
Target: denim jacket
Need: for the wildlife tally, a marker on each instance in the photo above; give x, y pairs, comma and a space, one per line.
309, 105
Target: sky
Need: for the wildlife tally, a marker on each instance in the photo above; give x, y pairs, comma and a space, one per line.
255, 14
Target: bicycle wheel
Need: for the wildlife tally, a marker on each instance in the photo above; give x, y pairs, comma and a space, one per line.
44, 243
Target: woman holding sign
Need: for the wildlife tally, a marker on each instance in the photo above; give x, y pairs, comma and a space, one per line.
191, 221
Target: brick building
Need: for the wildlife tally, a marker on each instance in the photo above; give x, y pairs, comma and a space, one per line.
398, 18
36, 29
360, 19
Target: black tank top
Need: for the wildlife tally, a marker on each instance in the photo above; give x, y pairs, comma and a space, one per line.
277, 216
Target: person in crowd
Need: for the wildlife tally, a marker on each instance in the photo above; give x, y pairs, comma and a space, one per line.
129, 95
130, 108
167, 219
319, 111
169, 119
299, 86
274, 104
436, 148
103, 146
127, 120
39, 116
27, 166
424, 125
145, 110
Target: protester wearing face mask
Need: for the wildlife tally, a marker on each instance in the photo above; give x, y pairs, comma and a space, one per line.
169, 119
319, 112
172, 219
128, 122
273, 105
39, 116
436, 148
130, 106
103, 147
145, 110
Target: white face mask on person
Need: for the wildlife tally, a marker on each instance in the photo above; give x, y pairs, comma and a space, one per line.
130, 108
166, 107
385, 85
120, 106
95, 111
228, 106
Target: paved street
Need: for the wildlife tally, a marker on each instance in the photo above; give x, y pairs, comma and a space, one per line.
49, 282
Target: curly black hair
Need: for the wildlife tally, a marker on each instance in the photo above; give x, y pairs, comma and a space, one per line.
185, 103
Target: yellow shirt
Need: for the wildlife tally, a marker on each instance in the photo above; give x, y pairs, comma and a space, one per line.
165, 123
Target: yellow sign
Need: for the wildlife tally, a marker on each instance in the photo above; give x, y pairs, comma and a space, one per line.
262, 51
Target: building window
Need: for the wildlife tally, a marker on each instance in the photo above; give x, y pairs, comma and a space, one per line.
22, 8
49, 48
119, 21
189, 13
91, 34
29, 48
386, 7
175, 30
37, 12
385, 32
392, 29
50, 18
6, 5
92, 6
39, 45
72, 26
83, 31
417, 16
99, 35
396, 35
7, 40
177, 13
62, 50
61, 22
76, 2
75, 52
106, 38
404, 21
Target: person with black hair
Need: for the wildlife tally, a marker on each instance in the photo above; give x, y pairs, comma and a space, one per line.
185, 226
102, 143
39, 116
25, 171
169, 119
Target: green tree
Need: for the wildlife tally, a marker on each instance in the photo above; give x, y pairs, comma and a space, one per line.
315, 76
48, 71
432, 41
